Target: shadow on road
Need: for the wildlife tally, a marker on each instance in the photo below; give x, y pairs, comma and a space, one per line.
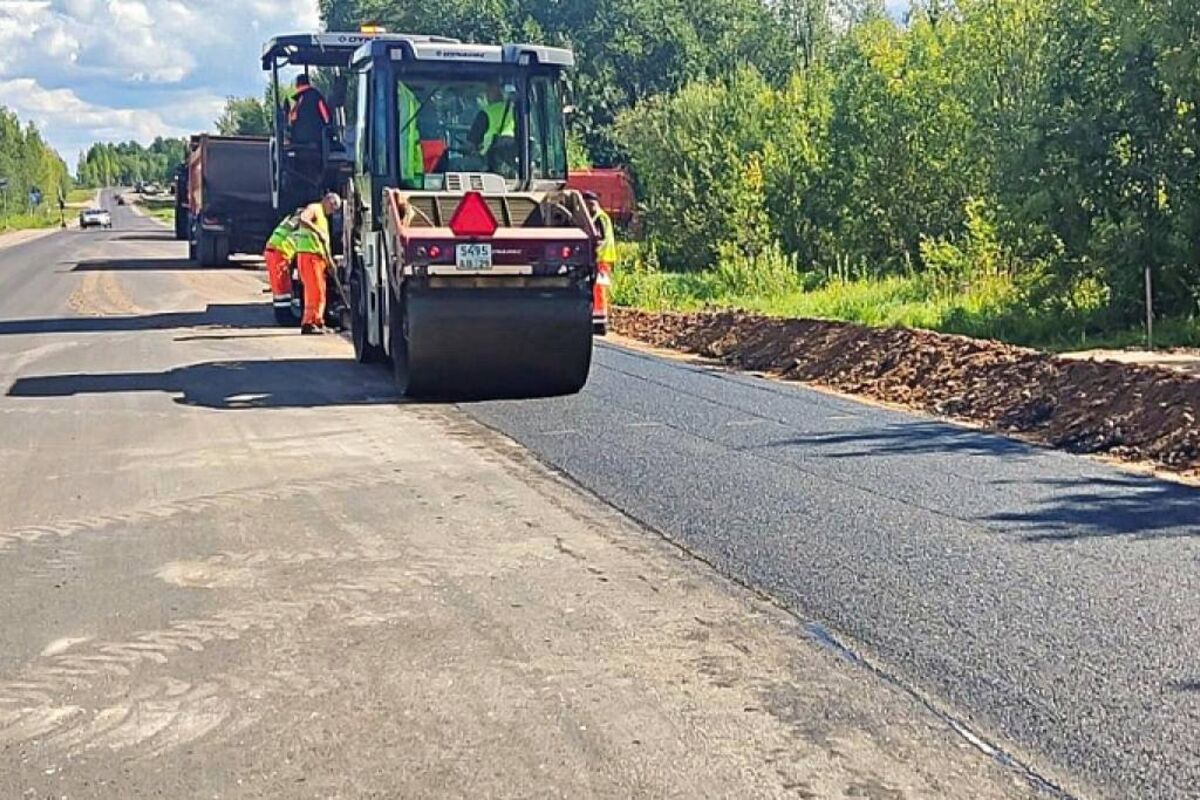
232, 385
216, 315
147, 236
906, 439
1087, 508
141, 265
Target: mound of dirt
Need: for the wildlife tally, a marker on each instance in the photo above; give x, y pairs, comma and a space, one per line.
1133, 412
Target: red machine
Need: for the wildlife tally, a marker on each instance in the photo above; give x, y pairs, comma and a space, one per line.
614, 188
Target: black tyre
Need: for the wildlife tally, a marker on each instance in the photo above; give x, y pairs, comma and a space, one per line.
220, 250
181, 223
600, 329
398, 344
205, 249
364, 351
286, 317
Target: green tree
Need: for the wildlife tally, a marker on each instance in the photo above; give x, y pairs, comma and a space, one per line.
244, 116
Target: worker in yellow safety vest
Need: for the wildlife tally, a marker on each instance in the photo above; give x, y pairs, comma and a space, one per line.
280, 250
314, 255
494, 130
606, 260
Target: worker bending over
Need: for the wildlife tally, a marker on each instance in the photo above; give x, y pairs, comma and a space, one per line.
314, 255
606, 260
280, 250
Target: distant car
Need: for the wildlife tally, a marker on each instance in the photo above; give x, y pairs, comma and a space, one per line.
95, 218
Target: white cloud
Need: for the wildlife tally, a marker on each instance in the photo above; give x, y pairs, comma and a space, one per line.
88, 70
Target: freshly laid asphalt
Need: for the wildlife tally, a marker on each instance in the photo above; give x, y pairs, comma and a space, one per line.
1047, 602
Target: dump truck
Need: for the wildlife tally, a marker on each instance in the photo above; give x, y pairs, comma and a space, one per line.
228, 197
183, 221
469, 264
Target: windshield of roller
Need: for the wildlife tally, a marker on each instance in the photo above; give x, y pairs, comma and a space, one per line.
472, 124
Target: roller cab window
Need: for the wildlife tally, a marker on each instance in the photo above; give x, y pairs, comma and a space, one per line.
475, 123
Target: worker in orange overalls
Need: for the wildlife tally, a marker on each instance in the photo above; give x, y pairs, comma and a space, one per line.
606, 259
314, 255
280, 250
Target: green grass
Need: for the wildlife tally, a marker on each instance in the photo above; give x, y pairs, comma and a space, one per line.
990, 307
24, 222
159, 208
81, 196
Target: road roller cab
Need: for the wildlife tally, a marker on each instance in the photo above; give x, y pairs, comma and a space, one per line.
470, 265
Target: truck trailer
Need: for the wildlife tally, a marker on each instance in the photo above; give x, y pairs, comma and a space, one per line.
229, 204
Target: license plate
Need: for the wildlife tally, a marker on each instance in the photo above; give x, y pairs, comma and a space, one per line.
473, 257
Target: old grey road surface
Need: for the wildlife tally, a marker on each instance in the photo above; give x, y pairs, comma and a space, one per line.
233, 565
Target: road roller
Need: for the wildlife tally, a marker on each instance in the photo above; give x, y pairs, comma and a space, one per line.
469, 266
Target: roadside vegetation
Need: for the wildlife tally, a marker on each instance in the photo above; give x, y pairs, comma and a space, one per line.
26, 163
130, 163
158, 207
1002, 168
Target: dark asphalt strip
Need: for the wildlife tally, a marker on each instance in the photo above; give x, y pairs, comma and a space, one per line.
1048, 599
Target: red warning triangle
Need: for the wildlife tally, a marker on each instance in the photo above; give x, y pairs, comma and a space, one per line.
473, 217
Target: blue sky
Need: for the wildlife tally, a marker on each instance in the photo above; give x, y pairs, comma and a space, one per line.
113, 70
88, 70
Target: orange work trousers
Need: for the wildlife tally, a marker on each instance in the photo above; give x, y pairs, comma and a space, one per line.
279, 275
312, 275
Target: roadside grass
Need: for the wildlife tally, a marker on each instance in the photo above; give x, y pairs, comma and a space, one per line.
45, 218
987, 307
81, 197
159, 208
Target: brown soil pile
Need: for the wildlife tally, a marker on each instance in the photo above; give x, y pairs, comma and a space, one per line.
1124, 410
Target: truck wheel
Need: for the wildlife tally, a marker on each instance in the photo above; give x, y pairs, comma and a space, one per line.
205, 249
285, 316
220, 250
364, 351
398, 344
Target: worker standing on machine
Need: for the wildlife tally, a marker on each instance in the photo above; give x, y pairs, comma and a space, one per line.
308, 113
314, 256
280, 250
606, 260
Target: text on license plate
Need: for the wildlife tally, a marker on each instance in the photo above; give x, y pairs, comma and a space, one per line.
473, 256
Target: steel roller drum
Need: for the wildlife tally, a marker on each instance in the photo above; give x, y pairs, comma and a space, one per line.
497, 342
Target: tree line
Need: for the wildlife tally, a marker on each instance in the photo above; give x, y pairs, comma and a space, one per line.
27, 162
128, 163
1054, 142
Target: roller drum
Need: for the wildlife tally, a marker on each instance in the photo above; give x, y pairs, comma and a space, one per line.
497, 342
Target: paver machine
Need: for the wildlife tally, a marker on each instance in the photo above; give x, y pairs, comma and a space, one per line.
302, 171
470, 264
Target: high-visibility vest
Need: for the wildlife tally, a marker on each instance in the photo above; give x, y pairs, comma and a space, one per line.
282, 238
607, 252
306, 240
501, 123
412, 167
